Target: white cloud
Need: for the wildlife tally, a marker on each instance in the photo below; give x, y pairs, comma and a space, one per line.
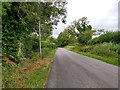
100, 13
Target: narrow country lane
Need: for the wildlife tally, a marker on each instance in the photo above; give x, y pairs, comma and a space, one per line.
72, 70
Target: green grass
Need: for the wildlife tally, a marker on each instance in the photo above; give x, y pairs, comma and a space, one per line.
51, 54
0, 76
37, 79
69, 47
19, 77
110, 60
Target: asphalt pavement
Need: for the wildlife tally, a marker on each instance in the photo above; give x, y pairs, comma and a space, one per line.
72, 70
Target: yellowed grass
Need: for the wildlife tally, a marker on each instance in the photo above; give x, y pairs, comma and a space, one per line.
21, 74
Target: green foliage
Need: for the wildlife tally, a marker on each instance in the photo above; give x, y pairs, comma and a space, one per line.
85, 37
52, 39
109, 60
17, 76
107, 37
80, 31
47, 46
37, 79
45, 52
7, 71
84, 30
31, 44
20, 20
72, 48
68, 36
15, 27
106, 50
62, 40
85, 48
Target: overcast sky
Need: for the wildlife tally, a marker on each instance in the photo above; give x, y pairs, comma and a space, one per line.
100, 13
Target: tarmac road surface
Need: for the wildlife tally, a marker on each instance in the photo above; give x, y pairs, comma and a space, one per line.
72, 70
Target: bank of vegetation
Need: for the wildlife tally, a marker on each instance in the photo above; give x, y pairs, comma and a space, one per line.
77, 37
27, 26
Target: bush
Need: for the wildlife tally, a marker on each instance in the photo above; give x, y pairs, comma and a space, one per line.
85, 48
45, 51
52, 45
105, 49
107, 37
35, 56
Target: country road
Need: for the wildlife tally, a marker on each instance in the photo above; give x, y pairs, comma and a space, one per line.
72, 70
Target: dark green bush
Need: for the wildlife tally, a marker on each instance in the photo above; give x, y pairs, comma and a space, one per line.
107, 37
105, 49
45, 52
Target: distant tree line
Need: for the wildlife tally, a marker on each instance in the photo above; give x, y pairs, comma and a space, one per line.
81, 32
78, 32
107, 37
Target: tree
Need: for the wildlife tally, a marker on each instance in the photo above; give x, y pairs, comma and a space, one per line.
21, 19
67, 37
79, 31
52, 13
62, 40
107, 37
83, 30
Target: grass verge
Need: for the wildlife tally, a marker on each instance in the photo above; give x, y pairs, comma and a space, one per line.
110, 60
38, 77
28, 75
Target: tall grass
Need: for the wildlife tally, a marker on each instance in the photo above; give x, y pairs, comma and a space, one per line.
105, 50
31, 73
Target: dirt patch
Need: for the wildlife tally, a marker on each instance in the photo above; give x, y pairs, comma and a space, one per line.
7, 61
36, 65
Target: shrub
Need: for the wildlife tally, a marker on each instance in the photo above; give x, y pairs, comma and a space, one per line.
45, 52
107, 37
105, 49
85, 48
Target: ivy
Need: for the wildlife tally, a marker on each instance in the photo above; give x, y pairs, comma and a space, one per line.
20, 20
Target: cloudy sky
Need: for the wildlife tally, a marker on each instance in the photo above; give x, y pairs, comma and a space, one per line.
100, 13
